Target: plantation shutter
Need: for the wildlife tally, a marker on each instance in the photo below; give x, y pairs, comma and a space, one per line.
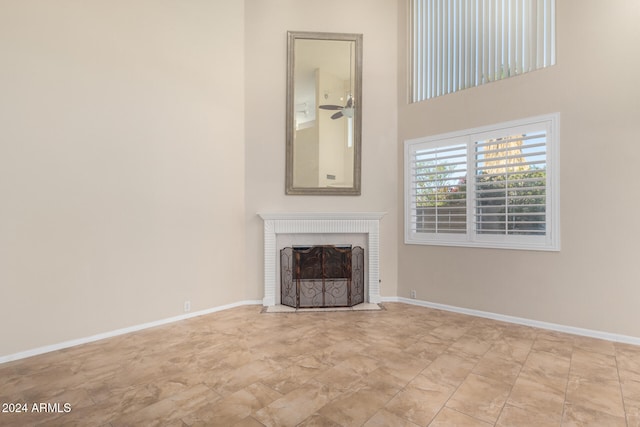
495, 186
439, 189
510, 185
457, 44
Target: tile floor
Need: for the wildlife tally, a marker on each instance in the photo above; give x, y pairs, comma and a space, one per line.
402, 366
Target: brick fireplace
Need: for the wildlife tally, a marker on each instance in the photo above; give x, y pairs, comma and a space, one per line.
353, 228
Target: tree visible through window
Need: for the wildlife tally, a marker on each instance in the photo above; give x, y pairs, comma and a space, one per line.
440, 174
510, 185
490, 187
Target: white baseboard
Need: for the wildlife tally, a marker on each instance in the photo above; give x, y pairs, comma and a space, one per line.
478, 313
110, 334
520, 321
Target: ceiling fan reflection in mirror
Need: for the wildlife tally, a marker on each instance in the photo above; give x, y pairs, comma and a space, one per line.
346, 111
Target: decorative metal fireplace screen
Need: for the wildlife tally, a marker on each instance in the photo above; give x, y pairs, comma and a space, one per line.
321, 276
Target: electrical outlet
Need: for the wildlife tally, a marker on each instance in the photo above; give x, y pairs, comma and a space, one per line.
413, 294
187, 306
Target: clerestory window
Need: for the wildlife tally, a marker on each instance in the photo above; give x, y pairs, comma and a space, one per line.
495, 187
458, 44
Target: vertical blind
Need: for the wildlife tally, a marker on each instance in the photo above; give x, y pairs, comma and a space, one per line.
457, 44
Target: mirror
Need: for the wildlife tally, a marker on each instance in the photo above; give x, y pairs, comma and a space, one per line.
324, 113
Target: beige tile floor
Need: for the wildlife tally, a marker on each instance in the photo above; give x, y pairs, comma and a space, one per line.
402, 366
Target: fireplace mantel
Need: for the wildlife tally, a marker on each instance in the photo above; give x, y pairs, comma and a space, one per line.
367, 223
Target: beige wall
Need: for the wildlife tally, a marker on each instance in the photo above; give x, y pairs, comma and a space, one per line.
593, 281
267, 22
138, 140
121, 164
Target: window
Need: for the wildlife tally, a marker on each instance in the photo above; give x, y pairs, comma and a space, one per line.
494, 187
457, 44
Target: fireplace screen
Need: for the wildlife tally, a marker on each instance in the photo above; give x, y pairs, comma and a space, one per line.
321, 276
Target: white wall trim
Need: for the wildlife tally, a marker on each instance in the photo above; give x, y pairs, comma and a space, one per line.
275, 224
478, 313
115, 333
550, 241
520, 321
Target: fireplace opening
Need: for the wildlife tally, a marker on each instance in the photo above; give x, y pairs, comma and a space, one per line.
322, 276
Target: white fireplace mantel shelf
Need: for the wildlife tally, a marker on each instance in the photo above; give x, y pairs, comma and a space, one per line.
331, 216
367, 223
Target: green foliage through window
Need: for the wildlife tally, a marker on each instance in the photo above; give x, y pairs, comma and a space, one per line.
493, 186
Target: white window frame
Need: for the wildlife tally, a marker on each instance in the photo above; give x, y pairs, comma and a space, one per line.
549, 242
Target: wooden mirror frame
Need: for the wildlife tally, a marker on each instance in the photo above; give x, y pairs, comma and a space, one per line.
355, 189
